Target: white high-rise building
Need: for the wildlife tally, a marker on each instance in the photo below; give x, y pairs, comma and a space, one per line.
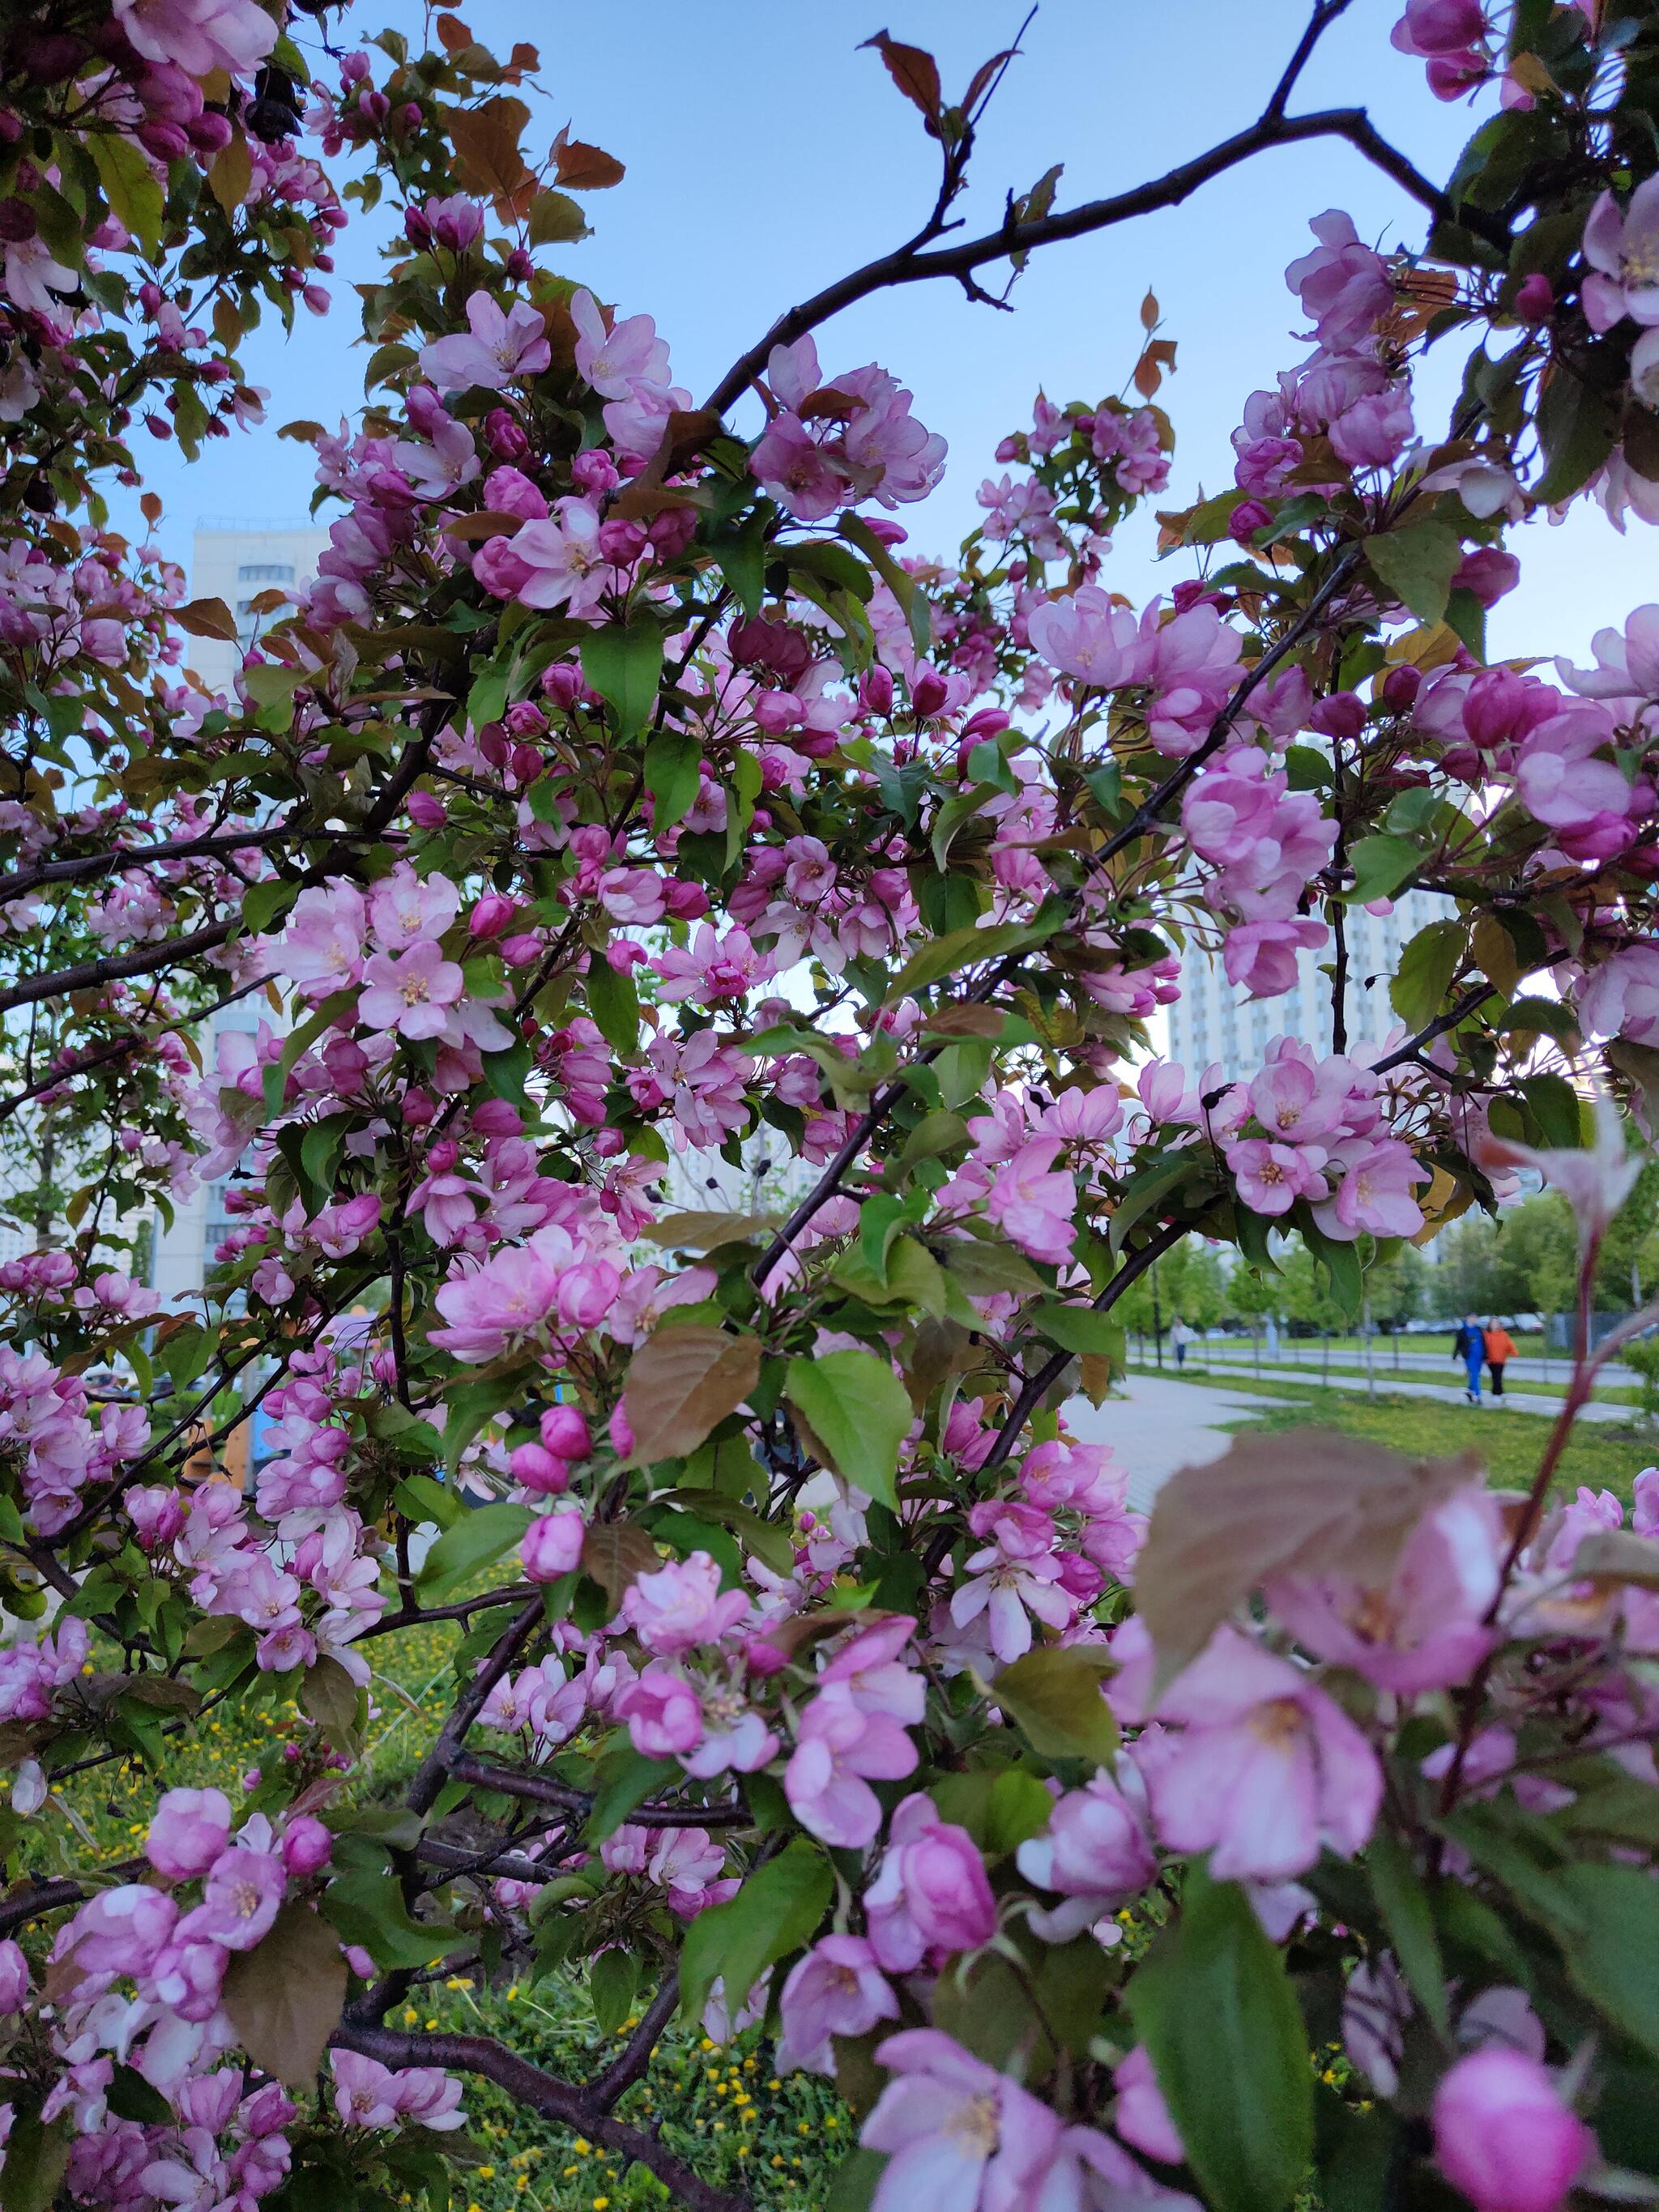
236, 561
1213, 1021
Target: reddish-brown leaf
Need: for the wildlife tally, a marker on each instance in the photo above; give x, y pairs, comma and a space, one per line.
453, 34
615, 1553
486, 142
913, 71
585, 168
684, 1380
1311, 1502
207, 618
1149, 311
983, 77
285, 1996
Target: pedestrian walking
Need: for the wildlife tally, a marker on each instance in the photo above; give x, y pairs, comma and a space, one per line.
1181, 1336
1469, 1344
1500, 1350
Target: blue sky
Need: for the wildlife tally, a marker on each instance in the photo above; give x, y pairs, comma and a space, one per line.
766, 154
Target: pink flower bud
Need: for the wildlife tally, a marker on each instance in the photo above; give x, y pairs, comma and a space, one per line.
1536, 301
520, 951
686, 902
875, 691
929, 692
561, 683
306, 1845
1400, 687
1503, 2136
506, 439
762, 1658
525, 719
566, 1432
527, 762
539, 1469
552, 1547
497, 1117
621, 1431
425, 812
492, 914
419, 1108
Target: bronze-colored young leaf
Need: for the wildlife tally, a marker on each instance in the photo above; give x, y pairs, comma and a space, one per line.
285, 1996
683, 1381
615, 1553
1310, 1501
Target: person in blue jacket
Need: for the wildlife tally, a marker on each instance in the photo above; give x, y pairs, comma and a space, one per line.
1469, 1344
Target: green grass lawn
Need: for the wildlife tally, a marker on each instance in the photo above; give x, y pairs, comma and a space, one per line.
1603, 1454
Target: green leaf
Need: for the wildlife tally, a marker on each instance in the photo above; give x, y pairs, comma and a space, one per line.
673, 766
130, 186
1611, 1949
285, 1996
833, 563
984, 1268
132, 2098
1555, 1107
776, 1911
626, 1778
263, 902
1380, 865
1417, 563
1214, 2007
1424, 974
329, 1696
612, 1978
1053, 1695
961, 948
368, 1908
859, 1413
623, 663
1078, 1328
474, 1543
902, 586
1577, 428
1151, 1187
961, 807
469, 1406
274, 1079
614, 1002
1408, 1915
35, 2159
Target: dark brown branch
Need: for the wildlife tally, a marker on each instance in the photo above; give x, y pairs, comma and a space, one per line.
143, 960
434, 1769
906, 266
606, 2090
545, 2093
1036, 1385
1438, 1027
140, 856
545, 1790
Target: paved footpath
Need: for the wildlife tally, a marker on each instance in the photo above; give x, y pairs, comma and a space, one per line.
1160, 1427
1446, 1394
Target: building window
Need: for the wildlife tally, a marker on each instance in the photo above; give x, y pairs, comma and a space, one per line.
265, 572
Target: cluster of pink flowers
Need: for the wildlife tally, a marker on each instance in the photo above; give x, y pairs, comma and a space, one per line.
832, 444
1264, 842
1184, 665
1310, 1129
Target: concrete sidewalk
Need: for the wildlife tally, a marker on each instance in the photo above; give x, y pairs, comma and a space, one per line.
1442, 1394
1160, 1425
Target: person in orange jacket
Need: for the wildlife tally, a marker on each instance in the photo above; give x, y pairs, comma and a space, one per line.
1500, 1350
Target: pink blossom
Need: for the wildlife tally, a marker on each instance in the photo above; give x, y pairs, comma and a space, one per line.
868, 1667
1620, 998
1503, 2136
500, 349
120, 1931
405, 909
1425, 1630
839, 1751
1623, 250
1266, 1770
613, 361
190, 1829
410, 992
561, 559
321, 947
1558, 775
1034, 1204
1271, 1177
1096, 1852
239, 1900
15, 1983
1260, 957
199, 36
1142, 2117
1087, 638
932, 1893
1374, 1195
664, 1716
836, 1988
959, 2133
1343, 286
681, 1605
